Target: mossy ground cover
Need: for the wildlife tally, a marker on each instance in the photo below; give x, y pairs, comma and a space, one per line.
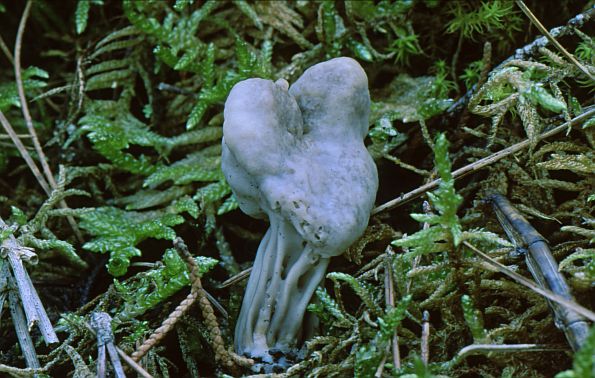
124, 102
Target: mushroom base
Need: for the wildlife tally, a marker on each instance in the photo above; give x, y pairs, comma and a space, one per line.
285, 274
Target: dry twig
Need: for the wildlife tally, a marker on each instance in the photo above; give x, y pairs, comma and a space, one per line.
481, 163
101, 323
23, 99
543, 267
25, 306
29, 121
425, 337
390, 302
236, 278
25, 154
6, 51
197, 292
550, 38
167, 325
532, 285
499, 348
105, 339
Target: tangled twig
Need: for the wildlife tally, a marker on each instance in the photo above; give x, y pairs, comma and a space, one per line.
166, 326
229, 360
221, 354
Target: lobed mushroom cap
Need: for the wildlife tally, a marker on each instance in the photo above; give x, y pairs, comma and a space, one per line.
333, 97
299, 153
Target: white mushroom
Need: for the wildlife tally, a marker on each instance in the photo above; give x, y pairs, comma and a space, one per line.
296, 156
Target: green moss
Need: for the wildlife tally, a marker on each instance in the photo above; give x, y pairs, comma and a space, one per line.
133, 107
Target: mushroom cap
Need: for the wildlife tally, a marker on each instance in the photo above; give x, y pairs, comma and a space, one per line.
299, 154
333, 97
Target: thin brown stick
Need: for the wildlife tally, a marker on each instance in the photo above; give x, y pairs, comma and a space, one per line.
380, 368
139, 369
217, 342
498, 348
482, 348
167, 325
136, 367
23, 98
550, 38
25, 154
197, 292
425, 337
6, 51
473, 167
29, 121
236, 278
532, 285
389, 293
18, 135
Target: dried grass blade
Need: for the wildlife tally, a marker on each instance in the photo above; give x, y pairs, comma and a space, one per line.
29, 121
481, 163
551, 38
25, 154
532, 285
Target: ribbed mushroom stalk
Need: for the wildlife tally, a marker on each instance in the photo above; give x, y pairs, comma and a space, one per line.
296, 156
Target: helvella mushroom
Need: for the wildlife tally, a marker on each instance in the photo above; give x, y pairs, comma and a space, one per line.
295, 156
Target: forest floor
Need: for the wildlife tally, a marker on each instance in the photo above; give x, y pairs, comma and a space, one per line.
121, 241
